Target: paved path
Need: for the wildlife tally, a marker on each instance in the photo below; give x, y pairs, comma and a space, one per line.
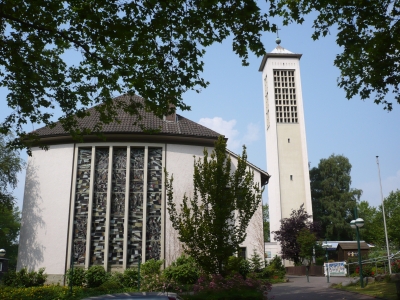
316, 289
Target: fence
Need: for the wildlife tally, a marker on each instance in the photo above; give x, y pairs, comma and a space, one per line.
301, 270
381, 261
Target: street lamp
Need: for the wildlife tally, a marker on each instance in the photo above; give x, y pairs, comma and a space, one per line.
355, 224
2, 252
326, 246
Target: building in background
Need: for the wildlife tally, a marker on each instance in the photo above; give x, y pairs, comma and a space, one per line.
287, 159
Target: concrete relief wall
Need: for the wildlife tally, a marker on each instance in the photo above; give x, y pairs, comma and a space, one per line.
45, 209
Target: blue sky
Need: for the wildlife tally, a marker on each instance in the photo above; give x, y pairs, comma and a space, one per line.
233, 105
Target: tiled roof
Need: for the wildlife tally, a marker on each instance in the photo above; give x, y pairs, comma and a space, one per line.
181, 126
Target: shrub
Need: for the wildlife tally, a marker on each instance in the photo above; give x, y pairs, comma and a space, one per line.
217, 283
276, 264
130, 277
244, 267
95, 276
76, 276
396, 266
256, 263
158, 282
151, 267
232, 265
110, 285
183, 271
23, 278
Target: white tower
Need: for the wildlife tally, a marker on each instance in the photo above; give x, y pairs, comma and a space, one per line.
287, 159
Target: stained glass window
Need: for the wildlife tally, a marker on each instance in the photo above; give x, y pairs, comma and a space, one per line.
81, 205
135, 223
99, 207
98, 201
154, 192
116, 243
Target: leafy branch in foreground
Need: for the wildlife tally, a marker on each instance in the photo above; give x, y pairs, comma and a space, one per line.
367, 31
71, 55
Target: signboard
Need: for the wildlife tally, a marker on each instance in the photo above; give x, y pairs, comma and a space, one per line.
336, 269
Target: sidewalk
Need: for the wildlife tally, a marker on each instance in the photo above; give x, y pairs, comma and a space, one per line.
316, 289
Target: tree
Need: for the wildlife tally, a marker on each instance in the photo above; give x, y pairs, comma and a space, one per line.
307, 242
10, 165
266, 222
150, 48
288, 233
392, 213
333, 200
372, 231
212, 224
367, 33
10, 223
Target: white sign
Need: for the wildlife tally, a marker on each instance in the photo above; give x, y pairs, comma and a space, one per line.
336, 269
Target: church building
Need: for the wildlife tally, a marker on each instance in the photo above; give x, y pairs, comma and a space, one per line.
287, 158
103, 202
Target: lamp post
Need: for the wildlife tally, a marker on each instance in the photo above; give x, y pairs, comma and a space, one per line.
326, 246
355, 224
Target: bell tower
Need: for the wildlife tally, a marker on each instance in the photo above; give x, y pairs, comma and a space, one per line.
287, 159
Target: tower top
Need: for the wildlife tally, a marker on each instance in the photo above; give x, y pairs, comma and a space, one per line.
279, 51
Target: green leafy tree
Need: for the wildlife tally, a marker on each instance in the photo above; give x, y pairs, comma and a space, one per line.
392, 213
266, 222
10, 223
10, 165
212, 224
150, 48
366, 31
290, 228
333, 200
372, 231
307, 241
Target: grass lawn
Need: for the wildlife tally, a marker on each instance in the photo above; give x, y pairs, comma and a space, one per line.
385, 290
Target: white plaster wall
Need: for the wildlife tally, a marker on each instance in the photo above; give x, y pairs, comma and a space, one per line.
43, 237
179, 163
291, 164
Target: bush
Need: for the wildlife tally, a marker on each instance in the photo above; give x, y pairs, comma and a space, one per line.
256, 262
23, 278
130, 277
235, 285
110, 285
183, 271
237, 265
396, 266
276, 264
151, 267
76, 276
95, 276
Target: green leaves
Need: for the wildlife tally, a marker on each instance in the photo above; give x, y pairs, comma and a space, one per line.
367, 33
332, 198
212, 224
150, 48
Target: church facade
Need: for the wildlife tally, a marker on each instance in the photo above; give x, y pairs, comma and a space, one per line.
104, 203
